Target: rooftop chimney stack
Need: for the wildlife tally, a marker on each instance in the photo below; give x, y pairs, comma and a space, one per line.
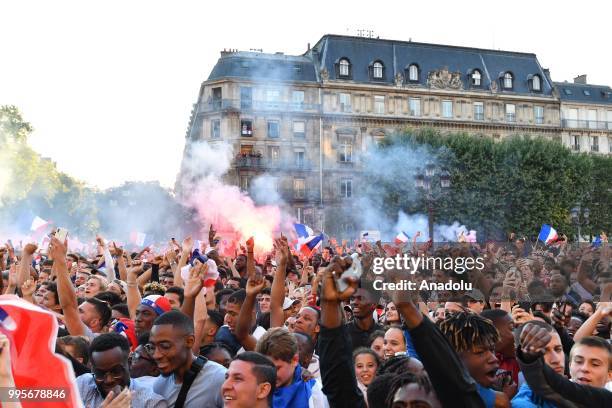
581, 79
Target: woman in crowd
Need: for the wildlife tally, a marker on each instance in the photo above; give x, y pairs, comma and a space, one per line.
366, 362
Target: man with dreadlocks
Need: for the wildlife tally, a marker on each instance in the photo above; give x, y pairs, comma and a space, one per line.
473, 337
452, 384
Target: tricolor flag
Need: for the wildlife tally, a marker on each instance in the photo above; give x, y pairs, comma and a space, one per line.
547, 234
597, 242
138, 238
33, 359
402, 238
38, 223
303, 231
311, 244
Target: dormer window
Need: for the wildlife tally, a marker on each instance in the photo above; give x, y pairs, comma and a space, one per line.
476, 78
343, 68
377, 70
413, 73
536, 83
508, 80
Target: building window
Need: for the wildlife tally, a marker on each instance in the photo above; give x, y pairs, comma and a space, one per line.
299, 188
298, 98
273, 129
273, 98
273, 153
246, 128
379, 104
345, 102
594, 143
447, 109
413, 73
476, 78
299, 129
508, 80
346, 188
299, 215
609, 118
415, 106
299, 158
478, 111
216, 98
536, 83
345, 151
592, 118
510, 112
377, 70
215, 128
344, 67
246, 98
538, 113
245, 182
575, 141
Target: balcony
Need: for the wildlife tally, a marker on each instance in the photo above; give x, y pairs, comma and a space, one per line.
586, 124
249, 161
216, 105
301, 195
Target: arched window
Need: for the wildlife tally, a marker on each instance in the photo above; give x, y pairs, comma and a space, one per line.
413, 72
536, 83
344, 67
508, 80
476, 78
377, 70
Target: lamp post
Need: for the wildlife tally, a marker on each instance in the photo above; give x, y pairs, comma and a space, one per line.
426, 182
580, 217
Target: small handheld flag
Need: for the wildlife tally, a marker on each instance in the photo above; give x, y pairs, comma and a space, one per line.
547, 234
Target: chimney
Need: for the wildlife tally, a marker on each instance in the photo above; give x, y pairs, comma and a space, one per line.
308, 46
580, 79
546, 72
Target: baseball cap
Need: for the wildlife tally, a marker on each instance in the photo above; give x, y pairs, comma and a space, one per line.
158, 303
288, 302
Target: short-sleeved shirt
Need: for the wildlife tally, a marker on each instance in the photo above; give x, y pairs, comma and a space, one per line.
142, 395
205, 391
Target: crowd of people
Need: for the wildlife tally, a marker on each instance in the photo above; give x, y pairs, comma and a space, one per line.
184, 326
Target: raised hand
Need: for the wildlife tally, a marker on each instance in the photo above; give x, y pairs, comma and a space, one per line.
30, 249
282, 249
250, 244
122, 400
58, 250
255, 284
534, 339
187, 245
332, 272
193, 286
28, 288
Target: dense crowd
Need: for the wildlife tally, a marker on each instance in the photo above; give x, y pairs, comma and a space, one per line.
186, 326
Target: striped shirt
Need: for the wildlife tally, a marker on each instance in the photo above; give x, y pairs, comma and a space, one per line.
142, 395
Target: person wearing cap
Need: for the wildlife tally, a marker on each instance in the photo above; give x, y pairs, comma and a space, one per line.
475, 301
119, 287
149, 309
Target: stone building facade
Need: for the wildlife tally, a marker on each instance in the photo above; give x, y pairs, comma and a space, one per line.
305, 120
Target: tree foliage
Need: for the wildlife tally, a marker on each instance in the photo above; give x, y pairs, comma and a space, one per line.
516, 184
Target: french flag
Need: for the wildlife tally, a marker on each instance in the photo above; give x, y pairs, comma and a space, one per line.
402, 238
548, 234
303, 231
33, 360
138, 238
311, 244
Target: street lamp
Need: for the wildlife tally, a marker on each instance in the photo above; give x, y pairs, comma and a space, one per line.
576, 219
426, 182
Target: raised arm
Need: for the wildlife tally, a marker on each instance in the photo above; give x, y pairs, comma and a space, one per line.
254, 285
277, 293
193, 286
335, 359
65, 290
185, 253
588, 327
133, 293
23, 271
